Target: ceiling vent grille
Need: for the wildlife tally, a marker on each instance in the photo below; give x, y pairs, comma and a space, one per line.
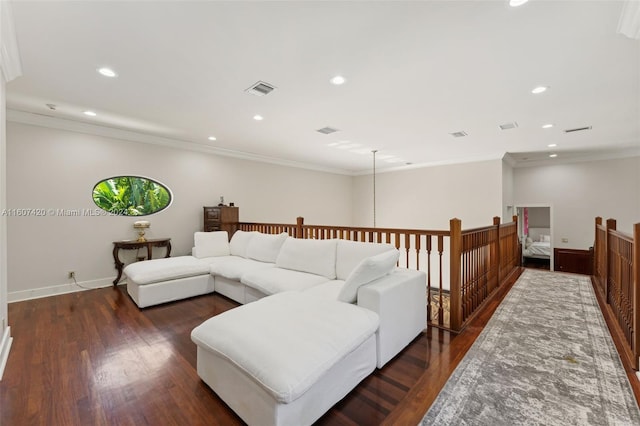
459, 134
260, 89
507, 126
327, 130
577, 129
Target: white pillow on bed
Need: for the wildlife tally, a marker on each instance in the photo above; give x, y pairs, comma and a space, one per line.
368, 270
545, 238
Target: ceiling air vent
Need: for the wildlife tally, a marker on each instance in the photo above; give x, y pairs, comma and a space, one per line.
577, 129
507, 126
260, 89
458, 134
327, 130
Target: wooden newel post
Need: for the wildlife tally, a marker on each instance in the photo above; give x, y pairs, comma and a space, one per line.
517, 241
455, 247
636, 295
611, 226
299, 223
498, 259
597, 251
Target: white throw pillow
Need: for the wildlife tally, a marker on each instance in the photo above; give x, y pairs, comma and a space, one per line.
349, 254
545, 238
265, 247
368, 270
210, 244
240, 242
313, 256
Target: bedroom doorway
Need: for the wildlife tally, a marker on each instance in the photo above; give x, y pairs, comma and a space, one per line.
535, 234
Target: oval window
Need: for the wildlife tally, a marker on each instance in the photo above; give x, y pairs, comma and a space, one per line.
131, 196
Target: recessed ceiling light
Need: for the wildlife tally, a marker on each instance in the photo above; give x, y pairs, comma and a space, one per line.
516, 3
212, 138
90, 113
553, 155
258, 117
547, 126
338, 80
539, 89
552, 145
107, 72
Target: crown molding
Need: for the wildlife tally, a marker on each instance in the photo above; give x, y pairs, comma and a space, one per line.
48, 121
9, 53
567, 158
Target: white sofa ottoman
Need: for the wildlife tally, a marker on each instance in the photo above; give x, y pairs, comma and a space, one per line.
164, 280
290, 369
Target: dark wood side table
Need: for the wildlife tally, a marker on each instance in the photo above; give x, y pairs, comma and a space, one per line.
134, 245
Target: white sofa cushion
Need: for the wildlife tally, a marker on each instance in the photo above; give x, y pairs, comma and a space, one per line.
265, 247
209, 244
233, 267
350, 253
314, 256
276, 280
329, 290
369, 269
165, 269
286, 357
239, 242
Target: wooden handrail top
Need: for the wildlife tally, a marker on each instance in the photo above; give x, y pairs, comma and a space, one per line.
485, 228
621, 235
380, 230
354, 228
267, 224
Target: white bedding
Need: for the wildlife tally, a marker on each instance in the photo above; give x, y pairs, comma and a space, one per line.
538, 249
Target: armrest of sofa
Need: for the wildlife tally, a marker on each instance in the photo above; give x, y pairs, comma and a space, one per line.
400, 299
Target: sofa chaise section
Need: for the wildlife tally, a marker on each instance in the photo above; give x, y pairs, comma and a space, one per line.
273, 370
164, 280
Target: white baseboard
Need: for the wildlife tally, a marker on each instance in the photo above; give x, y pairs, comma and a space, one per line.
36, 293
5, 346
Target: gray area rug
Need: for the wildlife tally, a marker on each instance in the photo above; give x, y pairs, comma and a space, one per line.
545, 358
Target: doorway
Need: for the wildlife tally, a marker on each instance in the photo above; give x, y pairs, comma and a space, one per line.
536, 236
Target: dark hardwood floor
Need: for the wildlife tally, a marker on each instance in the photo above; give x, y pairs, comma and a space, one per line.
94, 358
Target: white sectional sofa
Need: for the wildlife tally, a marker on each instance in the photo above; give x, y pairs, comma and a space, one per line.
326, 313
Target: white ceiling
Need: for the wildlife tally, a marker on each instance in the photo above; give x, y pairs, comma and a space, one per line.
416, 71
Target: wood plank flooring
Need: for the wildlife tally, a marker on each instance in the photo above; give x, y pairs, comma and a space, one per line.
94, 358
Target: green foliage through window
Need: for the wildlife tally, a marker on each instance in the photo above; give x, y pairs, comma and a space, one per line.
131, 196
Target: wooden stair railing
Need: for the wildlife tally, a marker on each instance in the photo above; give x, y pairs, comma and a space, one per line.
461, 258
616, 276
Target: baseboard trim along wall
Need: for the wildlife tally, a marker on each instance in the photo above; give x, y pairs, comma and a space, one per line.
36, 293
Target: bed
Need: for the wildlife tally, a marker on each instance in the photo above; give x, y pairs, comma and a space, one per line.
537, 244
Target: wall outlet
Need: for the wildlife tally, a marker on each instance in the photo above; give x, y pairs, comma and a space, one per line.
72, 274
565, 240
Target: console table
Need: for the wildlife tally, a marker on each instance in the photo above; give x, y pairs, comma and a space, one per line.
134, 245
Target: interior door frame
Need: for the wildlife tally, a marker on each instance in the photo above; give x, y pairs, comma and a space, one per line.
551, 226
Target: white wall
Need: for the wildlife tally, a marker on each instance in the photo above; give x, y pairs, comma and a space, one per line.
539, 217
57, 169
429, 197
508, 209
579, 192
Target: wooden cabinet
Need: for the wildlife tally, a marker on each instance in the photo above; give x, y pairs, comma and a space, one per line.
221, 218
572, 260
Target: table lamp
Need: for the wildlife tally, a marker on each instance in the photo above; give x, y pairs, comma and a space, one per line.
141, 225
